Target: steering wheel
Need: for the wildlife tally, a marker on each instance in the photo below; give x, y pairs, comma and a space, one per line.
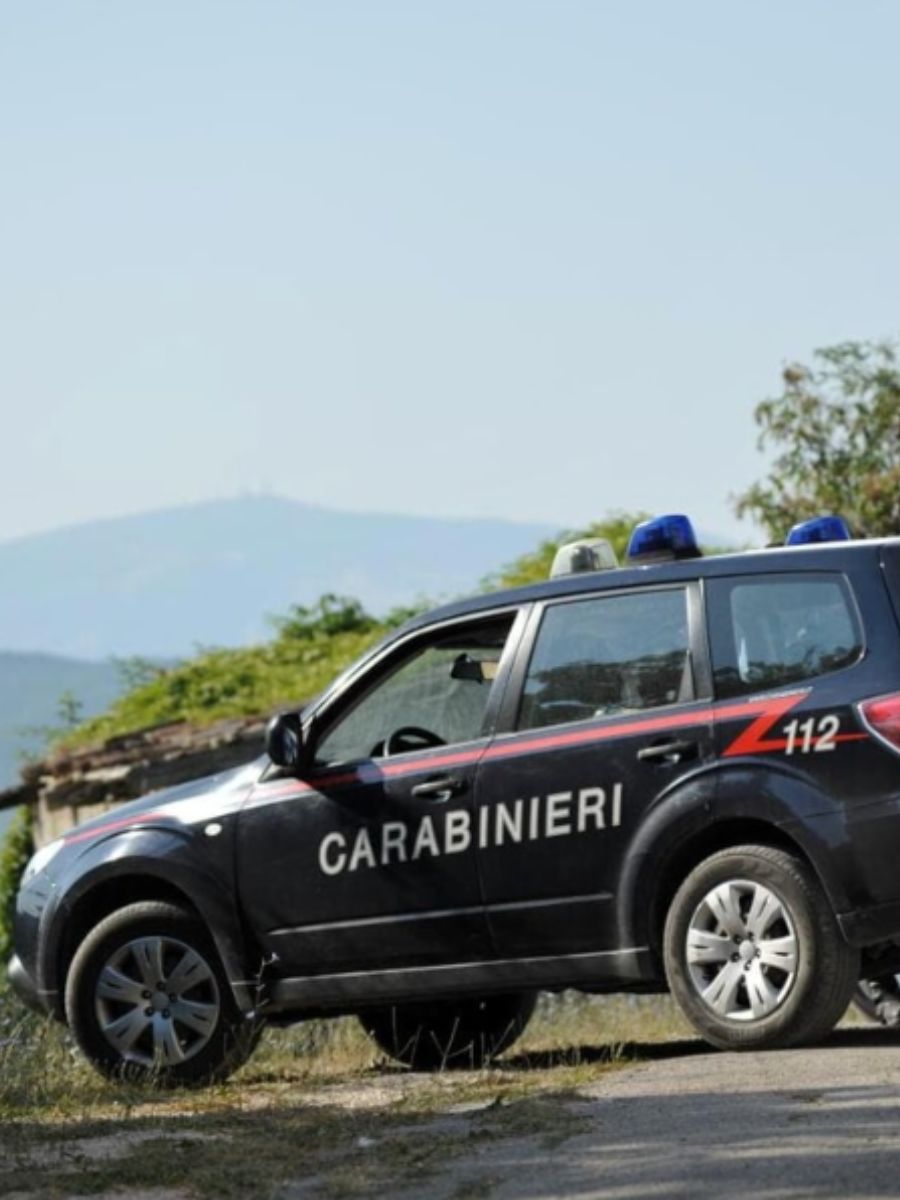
410, 737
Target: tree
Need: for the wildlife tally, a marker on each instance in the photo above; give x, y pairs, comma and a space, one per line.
69, 710
836, 425
330, 615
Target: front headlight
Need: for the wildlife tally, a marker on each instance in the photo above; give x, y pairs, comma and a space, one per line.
39, 861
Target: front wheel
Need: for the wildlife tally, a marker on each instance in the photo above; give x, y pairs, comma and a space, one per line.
449, 1034
147, 1000
753, 953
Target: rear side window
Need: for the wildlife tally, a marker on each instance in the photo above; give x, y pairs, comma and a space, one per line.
608, 655
777, 630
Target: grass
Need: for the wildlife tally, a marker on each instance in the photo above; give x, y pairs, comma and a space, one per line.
316, 1102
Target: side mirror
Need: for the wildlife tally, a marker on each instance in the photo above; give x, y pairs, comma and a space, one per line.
284, 741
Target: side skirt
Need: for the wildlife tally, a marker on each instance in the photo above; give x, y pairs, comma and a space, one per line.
612, 970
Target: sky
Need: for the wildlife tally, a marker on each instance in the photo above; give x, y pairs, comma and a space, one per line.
536, 260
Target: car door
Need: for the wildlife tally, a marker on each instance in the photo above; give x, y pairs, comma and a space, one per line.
607, 709
784, 645
369, 860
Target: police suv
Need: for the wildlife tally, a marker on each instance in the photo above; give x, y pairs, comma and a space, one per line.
679, 774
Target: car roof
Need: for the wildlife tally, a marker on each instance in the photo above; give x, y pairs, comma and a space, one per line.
830, 556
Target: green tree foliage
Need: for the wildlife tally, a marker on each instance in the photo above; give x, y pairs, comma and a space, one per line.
616, 527
135, 670
69, 709
836, 426
16, 849
330, 615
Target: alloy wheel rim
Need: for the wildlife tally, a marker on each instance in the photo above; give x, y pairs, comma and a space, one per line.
742, 951
157, 1001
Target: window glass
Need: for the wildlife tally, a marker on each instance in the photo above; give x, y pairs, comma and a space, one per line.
441, 688
611, 654
781, 631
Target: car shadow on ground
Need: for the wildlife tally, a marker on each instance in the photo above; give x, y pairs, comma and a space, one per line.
570, 1056
868, 1036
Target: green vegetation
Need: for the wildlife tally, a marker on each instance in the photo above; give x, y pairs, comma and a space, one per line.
837, 428
311, 646
16, 849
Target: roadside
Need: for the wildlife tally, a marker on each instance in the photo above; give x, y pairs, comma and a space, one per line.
573, 1111
310, 1105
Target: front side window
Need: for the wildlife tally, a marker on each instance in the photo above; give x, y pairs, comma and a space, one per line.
607, 655
435, 695
772, 631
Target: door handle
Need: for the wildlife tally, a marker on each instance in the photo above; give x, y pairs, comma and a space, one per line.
668, 752
439, 789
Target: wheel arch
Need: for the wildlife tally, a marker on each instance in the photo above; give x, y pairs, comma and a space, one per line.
113, 885
106, 897
678, 864
747, 803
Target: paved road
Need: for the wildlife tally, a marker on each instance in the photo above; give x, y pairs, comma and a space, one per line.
822, 1122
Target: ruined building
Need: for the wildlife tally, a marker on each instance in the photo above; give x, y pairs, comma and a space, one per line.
69, 786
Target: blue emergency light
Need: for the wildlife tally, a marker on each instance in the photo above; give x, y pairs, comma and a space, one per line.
819, 529
662, 539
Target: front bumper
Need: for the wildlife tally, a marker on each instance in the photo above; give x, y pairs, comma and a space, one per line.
24, 986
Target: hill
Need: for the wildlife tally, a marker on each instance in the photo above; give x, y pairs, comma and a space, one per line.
163, 583
30, 689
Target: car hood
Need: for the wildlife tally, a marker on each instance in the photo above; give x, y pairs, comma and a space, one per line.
198, 800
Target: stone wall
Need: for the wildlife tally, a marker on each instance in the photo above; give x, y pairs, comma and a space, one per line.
71, 786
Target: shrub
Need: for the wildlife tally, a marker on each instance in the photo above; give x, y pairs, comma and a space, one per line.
17, 848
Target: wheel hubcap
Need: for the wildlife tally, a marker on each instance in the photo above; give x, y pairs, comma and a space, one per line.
742, 951
157, 1001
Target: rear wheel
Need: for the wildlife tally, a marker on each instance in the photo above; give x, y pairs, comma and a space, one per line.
147, 999
449, 1034
753, 953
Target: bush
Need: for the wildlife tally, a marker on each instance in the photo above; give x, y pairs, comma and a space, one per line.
17, 848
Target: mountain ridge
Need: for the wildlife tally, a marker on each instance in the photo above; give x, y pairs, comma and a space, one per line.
164, 582
31, 686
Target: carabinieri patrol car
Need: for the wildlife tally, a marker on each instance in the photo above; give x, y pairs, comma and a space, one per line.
678, 774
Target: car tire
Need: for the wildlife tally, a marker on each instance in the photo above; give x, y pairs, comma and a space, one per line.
453, 1035
187, 1032
753, 953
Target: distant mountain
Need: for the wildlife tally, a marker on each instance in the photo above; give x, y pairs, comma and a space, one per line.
162, 583
30, 690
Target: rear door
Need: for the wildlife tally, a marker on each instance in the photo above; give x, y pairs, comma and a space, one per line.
610, 709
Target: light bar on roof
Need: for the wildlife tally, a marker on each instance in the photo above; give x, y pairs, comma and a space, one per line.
662, 539
589, 554
819, 529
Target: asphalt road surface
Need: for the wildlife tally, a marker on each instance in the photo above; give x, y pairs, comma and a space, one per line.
817, 1122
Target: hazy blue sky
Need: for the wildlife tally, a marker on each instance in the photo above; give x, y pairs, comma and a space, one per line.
528, 259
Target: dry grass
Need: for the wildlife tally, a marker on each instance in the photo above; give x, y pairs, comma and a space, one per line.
43, 1075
